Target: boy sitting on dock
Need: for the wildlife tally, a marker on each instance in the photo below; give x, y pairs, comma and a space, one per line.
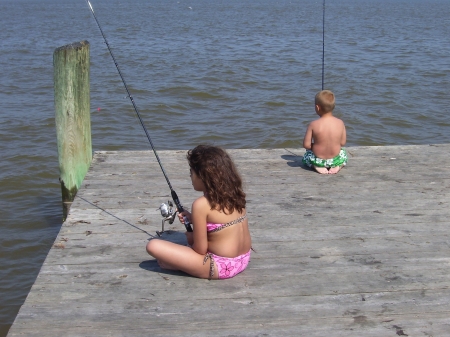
325, 137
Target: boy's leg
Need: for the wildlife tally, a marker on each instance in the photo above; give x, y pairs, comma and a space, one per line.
334, 170
177, 257
321, 170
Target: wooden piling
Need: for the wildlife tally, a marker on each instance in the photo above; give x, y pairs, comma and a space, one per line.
72, 115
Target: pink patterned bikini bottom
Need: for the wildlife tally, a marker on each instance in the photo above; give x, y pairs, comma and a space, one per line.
227, 267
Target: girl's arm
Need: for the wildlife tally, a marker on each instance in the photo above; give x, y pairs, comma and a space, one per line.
184, 214
200, 210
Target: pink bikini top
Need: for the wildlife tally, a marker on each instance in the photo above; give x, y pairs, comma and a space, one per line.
215, 227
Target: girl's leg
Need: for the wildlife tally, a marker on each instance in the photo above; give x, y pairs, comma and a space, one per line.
174, 256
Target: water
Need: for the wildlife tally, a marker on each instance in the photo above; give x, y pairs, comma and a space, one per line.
235, 73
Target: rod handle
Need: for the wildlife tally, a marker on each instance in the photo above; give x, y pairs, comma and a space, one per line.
180, 208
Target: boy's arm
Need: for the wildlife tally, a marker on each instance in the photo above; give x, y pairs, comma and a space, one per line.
344, 137
307, 141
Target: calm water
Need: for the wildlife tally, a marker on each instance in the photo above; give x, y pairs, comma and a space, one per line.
235, 73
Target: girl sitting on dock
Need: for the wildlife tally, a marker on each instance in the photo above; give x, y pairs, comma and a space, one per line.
220, 226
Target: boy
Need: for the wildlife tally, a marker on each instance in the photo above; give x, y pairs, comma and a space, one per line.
325, 137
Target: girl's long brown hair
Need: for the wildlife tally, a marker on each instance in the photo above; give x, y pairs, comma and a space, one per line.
222, 181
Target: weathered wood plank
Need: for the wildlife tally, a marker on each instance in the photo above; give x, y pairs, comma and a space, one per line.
362, 253
348, 326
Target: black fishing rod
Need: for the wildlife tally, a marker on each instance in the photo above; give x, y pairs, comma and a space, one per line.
323, 44
172, 191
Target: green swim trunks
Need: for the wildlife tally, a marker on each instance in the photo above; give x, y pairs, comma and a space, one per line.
309, 159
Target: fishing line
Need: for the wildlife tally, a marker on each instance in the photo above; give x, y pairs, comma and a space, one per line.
323, 44
172, 191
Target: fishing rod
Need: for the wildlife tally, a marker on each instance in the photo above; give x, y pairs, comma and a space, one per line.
165, 211
323, 44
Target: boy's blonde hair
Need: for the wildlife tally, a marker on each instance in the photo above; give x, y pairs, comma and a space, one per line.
325, 99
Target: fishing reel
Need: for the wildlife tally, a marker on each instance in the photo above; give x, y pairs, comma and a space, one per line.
168, 213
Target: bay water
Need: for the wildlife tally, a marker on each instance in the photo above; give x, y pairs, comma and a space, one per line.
234, 73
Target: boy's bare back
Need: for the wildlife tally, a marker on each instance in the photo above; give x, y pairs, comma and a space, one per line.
325, 136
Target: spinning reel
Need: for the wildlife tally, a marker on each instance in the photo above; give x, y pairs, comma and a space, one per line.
168, 213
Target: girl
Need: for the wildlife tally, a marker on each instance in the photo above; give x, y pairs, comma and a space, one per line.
220, 226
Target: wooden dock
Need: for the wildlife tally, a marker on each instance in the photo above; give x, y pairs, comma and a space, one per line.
365, 252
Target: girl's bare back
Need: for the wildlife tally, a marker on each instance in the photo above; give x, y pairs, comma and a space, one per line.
231, 241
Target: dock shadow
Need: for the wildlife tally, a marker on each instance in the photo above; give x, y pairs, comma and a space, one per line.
295, 160
173, 236
152, 265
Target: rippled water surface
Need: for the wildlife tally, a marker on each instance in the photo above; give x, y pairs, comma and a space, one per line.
235, 73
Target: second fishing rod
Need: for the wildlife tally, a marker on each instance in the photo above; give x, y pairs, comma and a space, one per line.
165, 211
323, 44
